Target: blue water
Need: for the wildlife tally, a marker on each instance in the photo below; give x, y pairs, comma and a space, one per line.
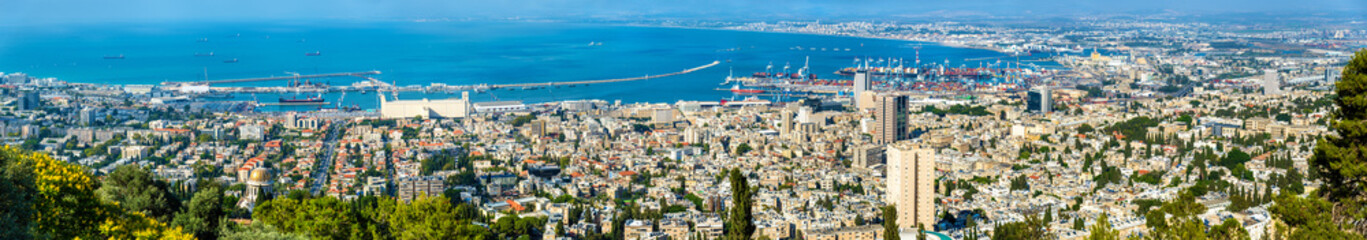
455, 53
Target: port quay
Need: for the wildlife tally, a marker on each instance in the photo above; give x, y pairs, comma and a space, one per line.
373, 84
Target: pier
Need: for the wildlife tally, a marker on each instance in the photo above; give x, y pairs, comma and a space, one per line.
325, 75
372, 84
714, 63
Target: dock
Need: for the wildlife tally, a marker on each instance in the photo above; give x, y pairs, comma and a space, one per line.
292, 77
372, 84
714, 63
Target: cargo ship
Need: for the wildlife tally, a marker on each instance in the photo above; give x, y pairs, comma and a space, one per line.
736, 89
120, 56
230, 61
210, 54
216, 95
315, 53
883, 71
802, 73
296, 100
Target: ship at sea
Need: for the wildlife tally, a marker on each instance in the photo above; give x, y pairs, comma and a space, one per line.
314, 53
230, 61
210, 54
120, 56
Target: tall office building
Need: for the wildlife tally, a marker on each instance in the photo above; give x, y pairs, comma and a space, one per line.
861, 84
869, 155
1040, 100
536, 128
892, 119
911, 186
1271, 86
804, 115
1328, 75
87, 116
28, 101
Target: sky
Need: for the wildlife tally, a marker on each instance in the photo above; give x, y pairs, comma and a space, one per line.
23, 12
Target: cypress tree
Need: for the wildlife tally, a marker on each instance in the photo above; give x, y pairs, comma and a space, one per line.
1048, 215
890, 223
740, 224
920, 231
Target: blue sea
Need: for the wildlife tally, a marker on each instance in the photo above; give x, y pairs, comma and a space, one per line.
454, 53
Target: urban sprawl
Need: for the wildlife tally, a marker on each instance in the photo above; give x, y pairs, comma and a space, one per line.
1145, 116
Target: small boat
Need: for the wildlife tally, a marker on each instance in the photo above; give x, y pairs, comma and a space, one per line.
230, 61
314, 53
210, 54
120, 56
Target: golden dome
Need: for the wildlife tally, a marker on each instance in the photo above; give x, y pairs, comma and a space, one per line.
260, 175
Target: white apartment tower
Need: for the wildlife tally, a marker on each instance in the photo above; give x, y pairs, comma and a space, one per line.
1271, 85
911, 183
861, 84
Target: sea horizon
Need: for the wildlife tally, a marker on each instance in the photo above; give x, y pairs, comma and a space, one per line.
453, 53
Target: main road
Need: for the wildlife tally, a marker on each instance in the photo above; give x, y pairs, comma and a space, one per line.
321, 174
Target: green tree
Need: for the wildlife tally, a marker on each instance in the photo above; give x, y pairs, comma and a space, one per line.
1338, 158
1031, 228
135, 189
1178, 220
319, 218
619, 227
1085, 128
742, 149
201, 217
1102, 230
920, 231
17, 196
1229, 229
740, 224
1310, 218
257, 230
65, 206
890, 227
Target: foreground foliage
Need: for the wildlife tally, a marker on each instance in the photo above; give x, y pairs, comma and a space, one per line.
386, 218
1339, 158
49, 199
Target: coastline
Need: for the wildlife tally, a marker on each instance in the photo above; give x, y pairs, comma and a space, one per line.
940, 43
